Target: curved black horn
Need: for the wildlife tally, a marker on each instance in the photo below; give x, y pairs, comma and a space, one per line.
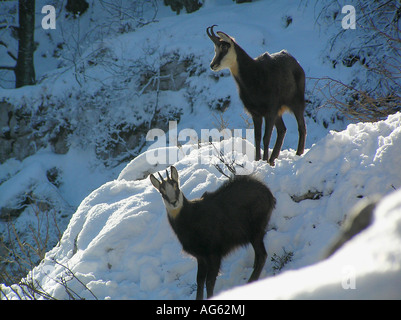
211, 34
168, 178
161, 178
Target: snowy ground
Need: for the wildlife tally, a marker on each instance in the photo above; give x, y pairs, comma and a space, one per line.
368, 267
120, 245
94, 102
118, 242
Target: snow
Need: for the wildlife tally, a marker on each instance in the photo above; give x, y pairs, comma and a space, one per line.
118, 242
368, 267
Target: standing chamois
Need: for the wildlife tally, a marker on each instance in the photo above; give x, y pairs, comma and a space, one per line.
268, 86
210, 227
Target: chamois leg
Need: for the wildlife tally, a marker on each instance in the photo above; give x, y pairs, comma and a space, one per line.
257, 124
299, 115
212, 272
260, 258
200, 278
269, 123
281, 130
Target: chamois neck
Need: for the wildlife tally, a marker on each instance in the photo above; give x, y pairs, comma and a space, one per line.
243, 64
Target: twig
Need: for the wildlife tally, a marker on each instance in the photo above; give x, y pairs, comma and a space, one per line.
71, 273
230, 166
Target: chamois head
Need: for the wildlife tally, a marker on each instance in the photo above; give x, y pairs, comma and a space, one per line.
225, 56
170, 191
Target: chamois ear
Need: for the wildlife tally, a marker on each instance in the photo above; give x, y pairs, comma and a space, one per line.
174, 174
156, 183
225, 37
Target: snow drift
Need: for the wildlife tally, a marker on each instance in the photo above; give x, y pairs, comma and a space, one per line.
368, 267
78, 127
119, 244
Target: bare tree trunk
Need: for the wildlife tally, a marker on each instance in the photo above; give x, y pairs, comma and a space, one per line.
25, 70
77, 7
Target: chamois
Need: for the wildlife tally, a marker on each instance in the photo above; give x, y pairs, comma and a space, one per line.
268, 86
209, 228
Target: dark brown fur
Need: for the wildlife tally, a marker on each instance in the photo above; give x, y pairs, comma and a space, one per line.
268, 86
209, 228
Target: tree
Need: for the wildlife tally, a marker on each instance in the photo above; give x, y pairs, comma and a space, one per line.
375, 47
178, 5
77, 7
24, 69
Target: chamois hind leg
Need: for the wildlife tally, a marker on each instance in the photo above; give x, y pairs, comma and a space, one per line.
200, 278
299, 115
260, 257
212, 272
281, 130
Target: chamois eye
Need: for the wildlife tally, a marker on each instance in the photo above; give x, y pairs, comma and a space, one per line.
225, 46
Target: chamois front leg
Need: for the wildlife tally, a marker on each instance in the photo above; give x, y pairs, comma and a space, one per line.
212, 272
201, 278
257, 124
269, 123
281, 130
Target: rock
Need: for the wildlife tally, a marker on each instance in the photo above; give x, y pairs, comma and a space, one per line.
17, 138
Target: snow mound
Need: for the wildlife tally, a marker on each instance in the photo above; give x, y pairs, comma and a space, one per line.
368, 267
119, 244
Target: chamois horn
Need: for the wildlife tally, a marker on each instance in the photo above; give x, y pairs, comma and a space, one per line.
212, 35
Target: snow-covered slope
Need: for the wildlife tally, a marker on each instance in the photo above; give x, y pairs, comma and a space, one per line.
368, 267
105, 96
120, 245
97, 96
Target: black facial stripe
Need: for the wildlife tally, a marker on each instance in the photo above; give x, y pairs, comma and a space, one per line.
218, 58
174, 195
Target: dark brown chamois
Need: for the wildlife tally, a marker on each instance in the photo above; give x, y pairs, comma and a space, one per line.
268, 86
209, 228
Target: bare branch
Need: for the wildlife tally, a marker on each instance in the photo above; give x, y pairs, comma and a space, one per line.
7, 68
71, 273
356, 104
12, 55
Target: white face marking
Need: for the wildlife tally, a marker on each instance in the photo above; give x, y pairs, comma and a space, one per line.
173, 200
170, 193
229, 61
174, 209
